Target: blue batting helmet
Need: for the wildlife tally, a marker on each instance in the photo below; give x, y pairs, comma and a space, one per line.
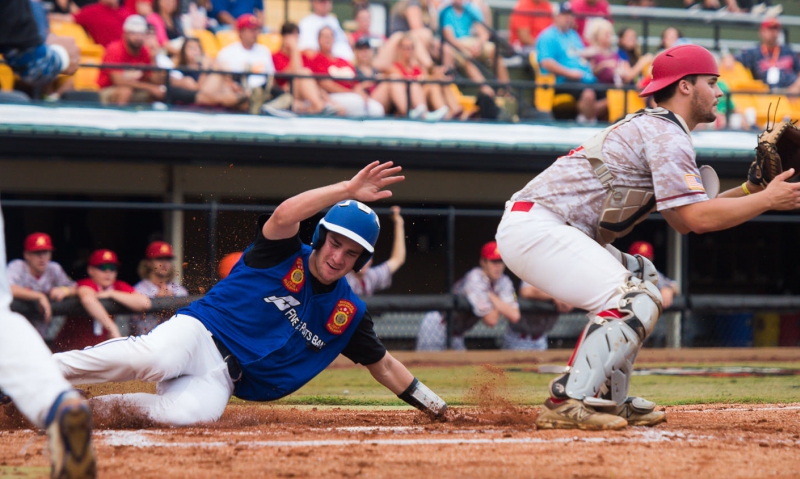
354, 220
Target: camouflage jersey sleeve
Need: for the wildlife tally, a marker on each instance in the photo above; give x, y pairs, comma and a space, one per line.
670, 155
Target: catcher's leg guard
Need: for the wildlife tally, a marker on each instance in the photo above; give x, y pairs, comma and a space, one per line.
602, 363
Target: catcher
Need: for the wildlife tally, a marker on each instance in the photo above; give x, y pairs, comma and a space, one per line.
557, 231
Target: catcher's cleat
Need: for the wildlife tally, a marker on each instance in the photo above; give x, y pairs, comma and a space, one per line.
637, 411
574, 414
70, 437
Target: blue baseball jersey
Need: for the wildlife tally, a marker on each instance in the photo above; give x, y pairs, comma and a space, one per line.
280, 331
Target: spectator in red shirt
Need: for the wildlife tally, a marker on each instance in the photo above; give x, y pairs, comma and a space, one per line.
103, 20
344, 88
527, 20
406, 67
585, 10
80, 332
126, 86
310, 98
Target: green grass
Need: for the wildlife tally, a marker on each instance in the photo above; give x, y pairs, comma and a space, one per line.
465, 385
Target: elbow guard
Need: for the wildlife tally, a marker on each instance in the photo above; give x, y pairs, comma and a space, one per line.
422, 398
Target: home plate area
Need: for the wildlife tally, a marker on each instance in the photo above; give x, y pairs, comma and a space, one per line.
254, 440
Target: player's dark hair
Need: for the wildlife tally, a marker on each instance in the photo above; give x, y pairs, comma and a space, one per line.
289, 28
669, 91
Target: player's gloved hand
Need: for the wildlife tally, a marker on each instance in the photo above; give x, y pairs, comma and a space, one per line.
422, 398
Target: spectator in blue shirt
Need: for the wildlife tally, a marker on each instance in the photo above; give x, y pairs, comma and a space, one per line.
467, 38
775, 64
227, 11
559, 50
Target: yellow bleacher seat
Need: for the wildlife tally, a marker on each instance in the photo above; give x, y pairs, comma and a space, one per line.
467, 102
616, 103
271, 41
226, 37
739, 78
208, 42
275, 16
545, 97
85, 79
82, 39
6, 78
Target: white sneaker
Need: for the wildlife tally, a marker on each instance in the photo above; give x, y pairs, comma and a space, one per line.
277, 112
418, 112
437, 115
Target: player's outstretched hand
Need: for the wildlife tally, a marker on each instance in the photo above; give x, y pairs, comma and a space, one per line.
784, 196
369, 183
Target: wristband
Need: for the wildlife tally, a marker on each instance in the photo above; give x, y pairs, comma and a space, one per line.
422, 398
744, 188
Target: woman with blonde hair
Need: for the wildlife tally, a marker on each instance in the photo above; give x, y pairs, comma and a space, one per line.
607, 65
157, 272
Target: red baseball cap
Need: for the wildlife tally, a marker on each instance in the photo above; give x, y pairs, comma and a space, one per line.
677, 62
103, 256
771, 23
642, 248
490, 252
248, 20
38, 242
159, 249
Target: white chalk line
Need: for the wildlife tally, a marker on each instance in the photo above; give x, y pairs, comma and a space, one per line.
140, 439
739, 409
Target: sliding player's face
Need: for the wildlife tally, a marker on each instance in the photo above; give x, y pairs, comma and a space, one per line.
335, 258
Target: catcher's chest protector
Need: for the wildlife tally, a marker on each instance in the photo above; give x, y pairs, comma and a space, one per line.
624, 207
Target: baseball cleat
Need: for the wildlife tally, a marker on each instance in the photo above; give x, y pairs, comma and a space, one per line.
70, 439
574, 414
638, 412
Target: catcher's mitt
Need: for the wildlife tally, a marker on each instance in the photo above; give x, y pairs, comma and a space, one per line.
778, 150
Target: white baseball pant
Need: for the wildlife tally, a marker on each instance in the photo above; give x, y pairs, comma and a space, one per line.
542, 249
28, 374
193, 380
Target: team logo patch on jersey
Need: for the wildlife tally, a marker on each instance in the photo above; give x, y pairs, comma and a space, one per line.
296, 277
341, 316
694, 182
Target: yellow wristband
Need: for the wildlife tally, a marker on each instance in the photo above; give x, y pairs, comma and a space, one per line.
744, 188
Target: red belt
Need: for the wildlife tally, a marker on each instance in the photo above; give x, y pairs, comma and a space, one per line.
523, 206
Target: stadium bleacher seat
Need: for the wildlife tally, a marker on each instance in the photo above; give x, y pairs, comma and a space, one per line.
85, 79
545, 98
208, 41
467, 102
616, 103
739, 78
275, 16
226, 37
271, 41
82, 39
6, 78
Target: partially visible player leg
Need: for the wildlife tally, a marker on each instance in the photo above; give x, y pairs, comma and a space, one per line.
180, 355
30, 377
565, 263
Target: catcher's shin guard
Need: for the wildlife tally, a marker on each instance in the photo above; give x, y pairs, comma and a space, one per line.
602, 363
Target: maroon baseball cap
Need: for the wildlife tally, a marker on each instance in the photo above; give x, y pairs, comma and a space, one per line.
677, 62
38, 242
642, 248
159, 249
247, 20
771, 23
103, 256
490, 252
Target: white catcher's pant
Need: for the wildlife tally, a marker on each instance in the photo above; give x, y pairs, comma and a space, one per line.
193, 380
28, 373
541, 248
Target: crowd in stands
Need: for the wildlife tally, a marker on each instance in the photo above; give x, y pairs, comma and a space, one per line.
359, 72
39, 279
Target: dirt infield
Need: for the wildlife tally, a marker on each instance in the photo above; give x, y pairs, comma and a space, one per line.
493, 439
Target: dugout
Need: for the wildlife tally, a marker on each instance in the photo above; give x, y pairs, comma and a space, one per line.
120, 178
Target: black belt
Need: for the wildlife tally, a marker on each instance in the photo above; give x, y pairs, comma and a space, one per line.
234, 368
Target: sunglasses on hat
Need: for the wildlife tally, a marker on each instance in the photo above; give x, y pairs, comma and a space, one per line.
107, 267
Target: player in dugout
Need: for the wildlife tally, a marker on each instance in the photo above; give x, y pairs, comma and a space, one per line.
282, 315
556, 234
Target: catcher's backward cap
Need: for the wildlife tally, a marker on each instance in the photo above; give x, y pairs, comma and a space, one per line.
677, 62
354, 220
